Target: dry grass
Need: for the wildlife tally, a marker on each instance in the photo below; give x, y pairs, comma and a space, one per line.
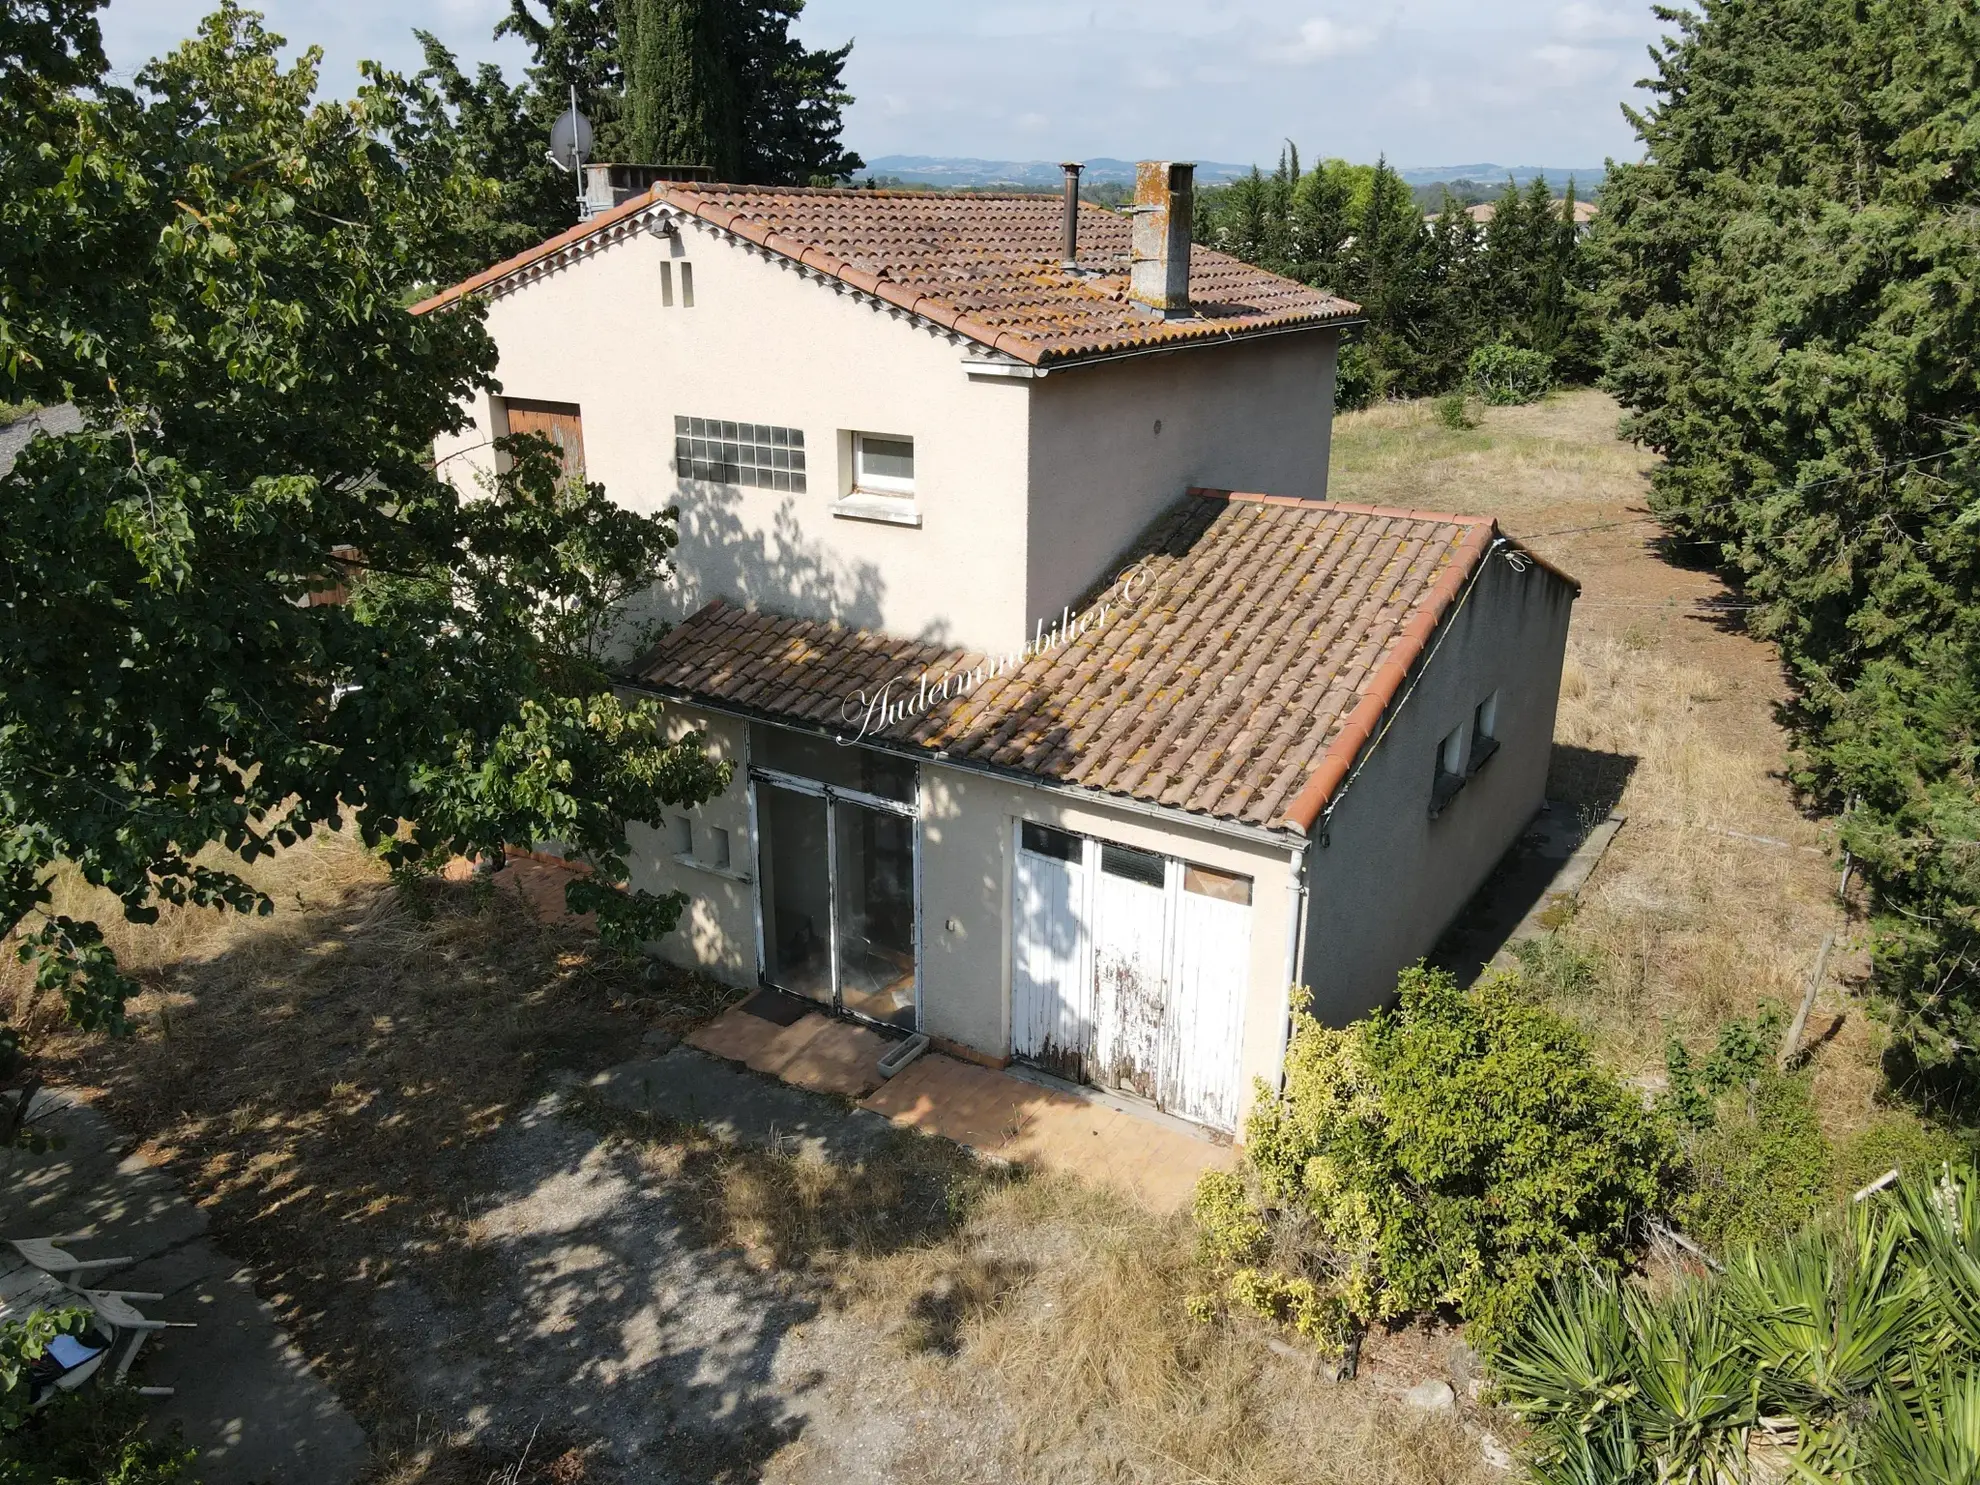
1667, 716
1043, 1326
321, 1080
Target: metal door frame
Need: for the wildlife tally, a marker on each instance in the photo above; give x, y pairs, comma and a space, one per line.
833, 794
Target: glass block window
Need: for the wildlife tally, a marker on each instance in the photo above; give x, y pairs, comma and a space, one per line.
752, 454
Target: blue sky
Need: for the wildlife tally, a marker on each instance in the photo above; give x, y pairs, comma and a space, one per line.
1426, 82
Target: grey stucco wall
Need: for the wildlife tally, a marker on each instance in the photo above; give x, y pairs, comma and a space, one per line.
1390, 878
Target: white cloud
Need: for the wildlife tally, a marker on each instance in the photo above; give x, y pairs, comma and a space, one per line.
1321, 38
1585, 20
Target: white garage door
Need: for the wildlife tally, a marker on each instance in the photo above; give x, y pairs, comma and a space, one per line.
1129, 970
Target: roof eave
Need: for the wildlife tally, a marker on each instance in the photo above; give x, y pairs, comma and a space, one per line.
1364, 722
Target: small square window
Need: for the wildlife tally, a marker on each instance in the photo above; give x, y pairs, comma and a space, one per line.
718, 847
680, 832
883, 465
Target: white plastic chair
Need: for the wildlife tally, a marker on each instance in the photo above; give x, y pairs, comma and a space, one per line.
113, 1308
60, 1264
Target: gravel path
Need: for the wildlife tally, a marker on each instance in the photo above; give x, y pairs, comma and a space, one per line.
609, 1324
14, 437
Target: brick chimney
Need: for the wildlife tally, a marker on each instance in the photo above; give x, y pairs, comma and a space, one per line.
1164, 202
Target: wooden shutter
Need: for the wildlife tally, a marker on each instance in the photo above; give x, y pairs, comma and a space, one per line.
560, 422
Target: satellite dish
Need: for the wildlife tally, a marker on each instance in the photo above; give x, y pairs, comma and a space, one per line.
570, 138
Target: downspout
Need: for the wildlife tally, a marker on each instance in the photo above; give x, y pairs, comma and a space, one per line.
1295, 952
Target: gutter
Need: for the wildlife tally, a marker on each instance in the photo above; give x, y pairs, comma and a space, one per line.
1026, 370
1296, 897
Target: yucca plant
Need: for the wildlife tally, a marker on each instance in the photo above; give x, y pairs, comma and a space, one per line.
1864, 1329
1826, 1316
1696, 1400
1568, 1368
1938, 1219
1931, 1438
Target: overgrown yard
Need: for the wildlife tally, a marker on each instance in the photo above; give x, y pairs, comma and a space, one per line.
373, 1098
1716, 895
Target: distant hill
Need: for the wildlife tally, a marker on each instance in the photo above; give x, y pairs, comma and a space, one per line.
955, 172
1586, 177
1026, 175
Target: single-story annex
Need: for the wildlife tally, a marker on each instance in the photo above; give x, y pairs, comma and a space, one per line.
1073, 723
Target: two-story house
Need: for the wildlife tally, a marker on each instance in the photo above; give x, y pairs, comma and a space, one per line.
1054, 739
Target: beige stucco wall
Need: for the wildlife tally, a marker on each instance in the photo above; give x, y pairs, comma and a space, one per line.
1026, 488
966, 865
765, 343
717, 931
1391, 878
1254, 415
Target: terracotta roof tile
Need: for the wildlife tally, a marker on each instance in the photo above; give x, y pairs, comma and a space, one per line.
1258, 645
987, 267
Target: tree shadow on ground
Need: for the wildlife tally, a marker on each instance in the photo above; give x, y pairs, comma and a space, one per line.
362, 1097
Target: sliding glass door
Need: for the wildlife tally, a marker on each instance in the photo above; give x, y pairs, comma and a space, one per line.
838, 892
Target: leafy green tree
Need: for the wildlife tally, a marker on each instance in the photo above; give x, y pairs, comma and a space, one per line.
214, 268
1788, 278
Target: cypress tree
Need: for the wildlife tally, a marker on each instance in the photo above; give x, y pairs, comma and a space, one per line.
1790, 281
682, 86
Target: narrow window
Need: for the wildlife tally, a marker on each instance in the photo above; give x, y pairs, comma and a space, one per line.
883, 465
666, 284
1449, 775
1484, 733
1225, 886
687, 286
1131, 865
680, 832
718, 847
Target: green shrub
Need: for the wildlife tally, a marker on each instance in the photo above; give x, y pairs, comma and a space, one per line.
1859, 1337
1457, 1151
1454, 411
1893, 1141
1759, 1163
1557, 965
1762, 1169
94, 1437
1354, 378
1505, 374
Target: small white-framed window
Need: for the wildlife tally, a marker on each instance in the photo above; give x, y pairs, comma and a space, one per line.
680, 836
883, 464
718, 848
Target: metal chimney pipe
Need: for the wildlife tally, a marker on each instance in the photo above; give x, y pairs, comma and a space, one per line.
1072, 170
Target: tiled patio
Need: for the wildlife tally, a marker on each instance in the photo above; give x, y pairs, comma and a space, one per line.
992, 1112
